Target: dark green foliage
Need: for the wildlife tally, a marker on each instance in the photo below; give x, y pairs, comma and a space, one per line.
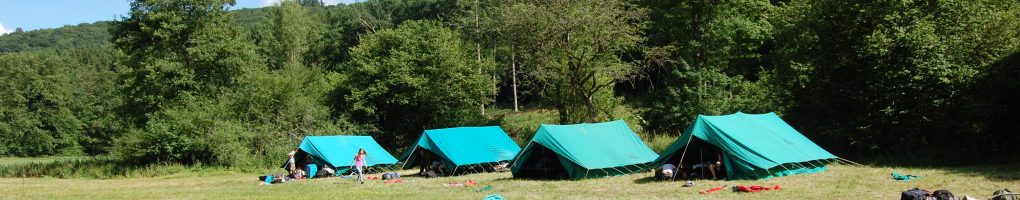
415, 77
179, 49
188, 81
713, 60
889, 76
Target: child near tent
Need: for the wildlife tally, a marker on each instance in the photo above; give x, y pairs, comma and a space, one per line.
358, 163
291, 165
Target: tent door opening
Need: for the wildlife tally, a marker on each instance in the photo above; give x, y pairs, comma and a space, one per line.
543, 164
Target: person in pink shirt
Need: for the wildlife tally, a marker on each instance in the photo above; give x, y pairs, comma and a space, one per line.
358, 163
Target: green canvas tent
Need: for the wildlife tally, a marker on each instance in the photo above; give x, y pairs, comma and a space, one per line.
463, 147
338, 151
583, 151
753, 146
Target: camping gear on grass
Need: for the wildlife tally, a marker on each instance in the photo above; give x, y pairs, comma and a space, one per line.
463, 148
914, 194
390, 175
311, 169
583, 151
1005, 194
483, 189
943, 195
338, 151
902, 177
493, 197
396, 180
754, 188
754, 146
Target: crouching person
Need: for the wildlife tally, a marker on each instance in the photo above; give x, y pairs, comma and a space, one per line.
665, 172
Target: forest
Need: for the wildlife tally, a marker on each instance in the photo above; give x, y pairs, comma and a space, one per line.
196, 82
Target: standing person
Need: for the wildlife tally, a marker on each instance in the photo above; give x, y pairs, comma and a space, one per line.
358, 163
291, 165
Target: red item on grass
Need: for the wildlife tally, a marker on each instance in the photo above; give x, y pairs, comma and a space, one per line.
393, 181
470, 182
756, 188
715, 189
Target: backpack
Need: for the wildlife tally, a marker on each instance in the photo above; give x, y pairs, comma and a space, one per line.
913, 194
943, 195
390, 175
1005, 194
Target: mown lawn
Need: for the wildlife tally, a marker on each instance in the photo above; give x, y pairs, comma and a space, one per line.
839, 182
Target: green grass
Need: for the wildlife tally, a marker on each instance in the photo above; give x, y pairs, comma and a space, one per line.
12, 161
841, 181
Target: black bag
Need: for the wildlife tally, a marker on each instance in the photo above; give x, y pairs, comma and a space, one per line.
1005, 194
943, 195
390, 175
913, 194
429, 174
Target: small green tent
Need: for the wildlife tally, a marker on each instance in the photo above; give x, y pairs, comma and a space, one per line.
754, 146
338, 151
463, 147
583, 151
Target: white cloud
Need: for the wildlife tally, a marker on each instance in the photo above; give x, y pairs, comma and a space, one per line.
2, 29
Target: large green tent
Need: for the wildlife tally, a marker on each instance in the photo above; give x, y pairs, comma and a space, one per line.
463, 147
338, 151
583, 151
754, 146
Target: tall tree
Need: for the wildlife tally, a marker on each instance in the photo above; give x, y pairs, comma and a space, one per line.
713, 59
417, 76
179, 49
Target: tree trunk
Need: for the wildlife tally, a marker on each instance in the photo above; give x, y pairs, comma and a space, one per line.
478, 48
513, 76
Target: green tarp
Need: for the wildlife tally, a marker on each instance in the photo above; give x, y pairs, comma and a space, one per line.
339, 151
755, 146
463, 146
583, 151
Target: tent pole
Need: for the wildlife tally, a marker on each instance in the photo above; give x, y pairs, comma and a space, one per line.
628, 170
621, 172
586, 173
845, 160
409, 155
688, 144
454, 170
518, 156
490, 167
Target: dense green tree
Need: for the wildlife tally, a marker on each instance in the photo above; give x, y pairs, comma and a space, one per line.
36, 116
888, 76
417, 76
711, 60
179, 48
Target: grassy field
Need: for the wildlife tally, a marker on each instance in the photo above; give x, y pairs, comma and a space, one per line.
841, 181
7, 161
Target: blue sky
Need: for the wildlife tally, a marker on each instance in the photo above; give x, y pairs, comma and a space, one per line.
40, 14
